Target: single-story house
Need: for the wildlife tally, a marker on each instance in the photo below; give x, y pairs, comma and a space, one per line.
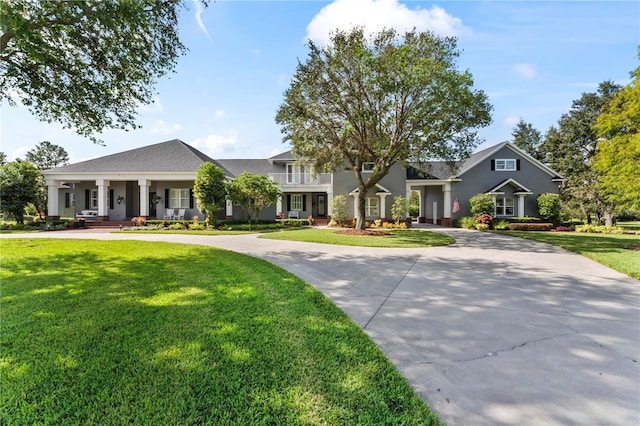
149, 180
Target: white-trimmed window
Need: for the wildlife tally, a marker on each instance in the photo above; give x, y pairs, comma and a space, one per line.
178, 198
372, 206
505, 164
368, 166
296, 202
295, 173
504, 206
94, 199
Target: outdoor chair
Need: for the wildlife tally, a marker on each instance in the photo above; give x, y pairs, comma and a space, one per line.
180, 214
168, 214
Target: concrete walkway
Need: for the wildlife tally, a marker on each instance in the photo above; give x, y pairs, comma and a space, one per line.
490, 330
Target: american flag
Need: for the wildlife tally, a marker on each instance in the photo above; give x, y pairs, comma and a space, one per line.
456, 206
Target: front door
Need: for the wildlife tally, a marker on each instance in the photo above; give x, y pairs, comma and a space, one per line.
321, 204
152, 205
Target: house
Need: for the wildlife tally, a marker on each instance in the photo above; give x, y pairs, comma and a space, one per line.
146, 181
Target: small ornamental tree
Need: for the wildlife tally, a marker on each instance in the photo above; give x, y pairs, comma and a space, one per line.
481, 204
210, 191
253, 193
549, 206
399, 209
18, 188
339, 209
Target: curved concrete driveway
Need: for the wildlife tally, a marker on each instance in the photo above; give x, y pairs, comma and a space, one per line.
490, 330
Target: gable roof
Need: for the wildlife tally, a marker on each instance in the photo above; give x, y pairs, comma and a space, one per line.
520, 189
285, 156
480, 156
172, 156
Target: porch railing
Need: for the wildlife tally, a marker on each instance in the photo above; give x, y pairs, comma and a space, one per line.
284, 179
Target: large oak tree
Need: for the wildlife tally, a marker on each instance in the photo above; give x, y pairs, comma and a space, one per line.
86, 64
383, 99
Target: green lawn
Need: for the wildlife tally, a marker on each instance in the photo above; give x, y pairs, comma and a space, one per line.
607, 249
395, 239
129, 332
630, 226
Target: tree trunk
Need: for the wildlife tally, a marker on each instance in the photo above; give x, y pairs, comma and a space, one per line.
360, 201
608, 218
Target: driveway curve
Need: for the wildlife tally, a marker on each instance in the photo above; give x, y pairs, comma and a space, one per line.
490, 330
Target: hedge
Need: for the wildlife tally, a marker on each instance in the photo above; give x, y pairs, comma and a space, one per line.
530, 226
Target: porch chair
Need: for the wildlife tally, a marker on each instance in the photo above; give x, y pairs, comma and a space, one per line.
168, 214
180, 214
294, 214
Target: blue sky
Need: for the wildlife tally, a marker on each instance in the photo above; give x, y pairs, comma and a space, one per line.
532, 59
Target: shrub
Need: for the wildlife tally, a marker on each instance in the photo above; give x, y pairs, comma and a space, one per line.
175, 226
139, 221
467, 222
339, 209
595, 229
485, 219
525, 219
549, 206
530, 226
562, 229
501, 224
399, 209
481, 204
195, 226
482, 226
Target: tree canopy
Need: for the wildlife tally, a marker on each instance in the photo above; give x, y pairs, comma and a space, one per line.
253, 193
18, 187
570, 147
86, 64
210, 190
528, 138
384, 99
47, 156
617, 158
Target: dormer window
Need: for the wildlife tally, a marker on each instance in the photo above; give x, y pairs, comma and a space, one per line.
505, 165
368, 166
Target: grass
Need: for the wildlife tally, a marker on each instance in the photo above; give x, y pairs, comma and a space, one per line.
630, 226
606, 249
395, 239
130, 332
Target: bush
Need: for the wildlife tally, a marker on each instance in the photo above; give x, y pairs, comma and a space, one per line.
501, 224
549, 206
530, 226
196, 226
399, 209
467, 222
485, 219
481, 204
525, 219
482, 226
339, 209
595, 229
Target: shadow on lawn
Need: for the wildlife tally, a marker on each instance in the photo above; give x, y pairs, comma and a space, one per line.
184, 335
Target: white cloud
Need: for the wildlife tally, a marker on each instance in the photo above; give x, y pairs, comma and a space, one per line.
161, 127
20, 153
374, 15
510, 120
154, 106
526, 71
219, 114
199, 11
216, 144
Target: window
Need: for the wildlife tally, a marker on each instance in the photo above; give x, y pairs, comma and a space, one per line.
504, 206
505, 165
372, 206
94, 199
368, 166
178, 198
295, 173
296, 202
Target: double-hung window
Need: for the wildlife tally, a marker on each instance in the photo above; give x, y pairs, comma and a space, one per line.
372, 206
504, 206
368, 166
296, 202
94, 199
505, 164
179, 198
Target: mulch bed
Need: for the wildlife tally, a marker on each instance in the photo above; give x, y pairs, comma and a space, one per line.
363, 232
635, 247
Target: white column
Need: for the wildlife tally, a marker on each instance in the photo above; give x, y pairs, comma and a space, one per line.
53, 208
330, 202
144, 197
279, 205
447, 201
422, 201
383, 206
521, 205
229, 208
408, 195
356, 205
103, 186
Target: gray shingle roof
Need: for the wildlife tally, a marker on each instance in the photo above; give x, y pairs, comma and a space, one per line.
173, 156
255, 166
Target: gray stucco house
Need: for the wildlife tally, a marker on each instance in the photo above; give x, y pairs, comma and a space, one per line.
146, 181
